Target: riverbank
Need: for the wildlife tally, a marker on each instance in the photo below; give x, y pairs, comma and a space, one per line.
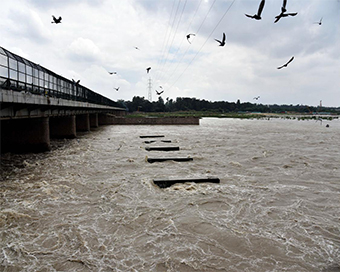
239, 115
149, 120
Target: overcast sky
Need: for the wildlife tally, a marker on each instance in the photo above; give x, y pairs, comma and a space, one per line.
97, 36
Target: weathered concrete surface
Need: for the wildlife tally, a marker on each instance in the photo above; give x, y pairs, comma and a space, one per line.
26, 127
156, 121
25, 135
105, 119
164, 183
177, 159
83, 122
151, 136
63, 127
16, 104
94, 120
162, 148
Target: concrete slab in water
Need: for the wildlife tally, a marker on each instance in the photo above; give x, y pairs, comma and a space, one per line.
149, 142
165, 183
162, 148
151, 136
152, 160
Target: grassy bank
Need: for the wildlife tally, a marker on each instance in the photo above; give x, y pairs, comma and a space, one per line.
195, 114
245, 115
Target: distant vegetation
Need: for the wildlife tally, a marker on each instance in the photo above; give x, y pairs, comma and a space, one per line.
203, 107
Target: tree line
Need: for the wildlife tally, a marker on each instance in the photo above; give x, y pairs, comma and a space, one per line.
193, 104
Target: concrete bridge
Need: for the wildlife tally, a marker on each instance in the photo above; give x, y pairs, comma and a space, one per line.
36, 105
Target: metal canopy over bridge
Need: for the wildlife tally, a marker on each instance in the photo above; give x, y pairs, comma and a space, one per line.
23, 83
37, 104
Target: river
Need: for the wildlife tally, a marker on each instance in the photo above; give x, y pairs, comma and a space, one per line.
90, 203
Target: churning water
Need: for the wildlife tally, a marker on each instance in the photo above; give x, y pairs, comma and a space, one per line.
90, 204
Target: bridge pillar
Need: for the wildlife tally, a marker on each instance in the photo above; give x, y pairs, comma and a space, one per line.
63, 127
25, 135
94, 120
105, 119
83, 122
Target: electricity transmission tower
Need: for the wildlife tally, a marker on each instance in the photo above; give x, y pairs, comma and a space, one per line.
149, 90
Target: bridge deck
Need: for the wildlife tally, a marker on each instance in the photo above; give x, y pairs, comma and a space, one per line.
16, 104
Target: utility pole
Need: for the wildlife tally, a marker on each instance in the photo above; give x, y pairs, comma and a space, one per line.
149, 90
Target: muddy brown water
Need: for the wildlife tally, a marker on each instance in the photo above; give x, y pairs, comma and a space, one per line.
90, 203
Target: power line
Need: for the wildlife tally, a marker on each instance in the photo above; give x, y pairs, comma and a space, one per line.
184, 37
163, 43
173, 38
205, 17
196, 33
166, 45
225, 13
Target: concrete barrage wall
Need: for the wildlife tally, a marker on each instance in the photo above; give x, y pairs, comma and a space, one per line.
155, 121
33, 134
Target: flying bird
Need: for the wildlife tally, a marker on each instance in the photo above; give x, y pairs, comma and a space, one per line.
222, 43
148, 69
188, 37
55, 20
137, 48
76, 82
283, 14
159, 93
257, 16
256, 97
116, 89
286, 64
283, 8
112, 73
161, 87
320, 22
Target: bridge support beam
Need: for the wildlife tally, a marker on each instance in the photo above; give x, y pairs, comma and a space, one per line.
25, 135
94, 120
63, 127
83, 122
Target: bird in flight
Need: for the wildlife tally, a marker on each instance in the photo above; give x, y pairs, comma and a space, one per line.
137, 48
117, 89
55, 20
188, 37
161, 87
320, 22
159, 93
257, 16
148, 69
256, 97
286, 64
222, 43
112, 73
283, 14
76, 82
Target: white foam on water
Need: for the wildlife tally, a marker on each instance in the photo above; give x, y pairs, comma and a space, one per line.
90, 204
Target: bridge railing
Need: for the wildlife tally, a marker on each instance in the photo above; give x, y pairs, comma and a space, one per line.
20, 74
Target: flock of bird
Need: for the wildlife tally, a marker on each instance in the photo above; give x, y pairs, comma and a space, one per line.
283, 14
256, 16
